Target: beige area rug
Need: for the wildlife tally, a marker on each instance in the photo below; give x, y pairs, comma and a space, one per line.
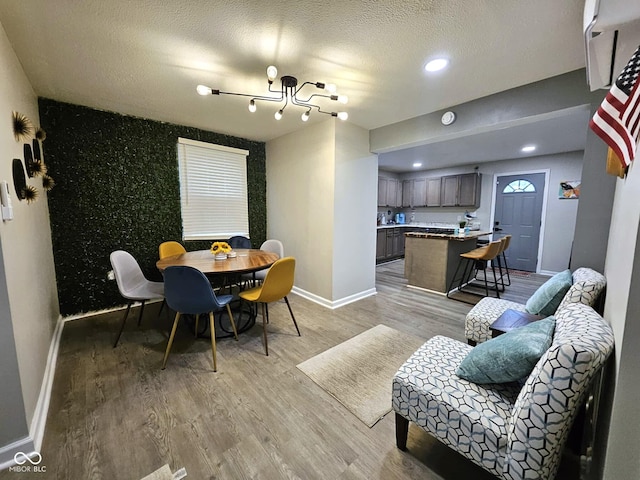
359, 372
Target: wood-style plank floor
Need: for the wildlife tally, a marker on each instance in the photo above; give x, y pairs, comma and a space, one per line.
114, 414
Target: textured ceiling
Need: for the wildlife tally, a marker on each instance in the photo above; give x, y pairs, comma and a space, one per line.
145, 57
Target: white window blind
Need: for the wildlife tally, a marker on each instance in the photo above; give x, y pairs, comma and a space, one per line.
213, 190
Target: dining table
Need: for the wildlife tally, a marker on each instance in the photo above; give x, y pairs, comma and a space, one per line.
246, 260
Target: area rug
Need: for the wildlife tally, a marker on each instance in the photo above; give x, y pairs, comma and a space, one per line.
358, 372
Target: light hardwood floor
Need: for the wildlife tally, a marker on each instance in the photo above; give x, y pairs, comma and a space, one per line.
114, 414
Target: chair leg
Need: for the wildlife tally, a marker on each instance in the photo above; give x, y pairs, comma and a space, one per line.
170, 342
402, 431
233, 323
164, 304
141, 312
196, 326
292, 317
213, 340
264, 329
495, 280
124, 319
506, 267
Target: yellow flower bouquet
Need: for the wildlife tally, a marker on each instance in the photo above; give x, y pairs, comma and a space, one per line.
220, 247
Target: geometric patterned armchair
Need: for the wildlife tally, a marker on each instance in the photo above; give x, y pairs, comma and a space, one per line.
587, 285
513, 430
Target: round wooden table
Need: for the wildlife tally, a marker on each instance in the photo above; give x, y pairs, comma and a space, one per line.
247, 260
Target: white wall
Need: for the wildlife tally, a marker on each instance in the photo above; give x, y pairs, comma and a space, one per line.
356, 196
26, 240
300, 202
321, 201
622, 311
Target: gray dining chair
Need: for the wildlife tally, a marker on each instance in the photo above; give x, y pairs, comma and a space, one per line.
133, 285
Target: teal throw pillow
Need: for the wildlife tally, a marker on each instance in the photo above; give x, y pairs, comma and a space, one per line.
508, 357
546, 299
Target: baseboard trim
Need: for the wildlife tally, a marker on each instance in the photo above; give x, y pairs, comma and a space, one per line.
547, 272
336, 303
39, 420
80, 316
7, 452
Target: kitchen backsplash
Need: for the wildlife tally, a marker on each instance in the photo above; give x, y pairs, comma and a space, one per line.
428, 216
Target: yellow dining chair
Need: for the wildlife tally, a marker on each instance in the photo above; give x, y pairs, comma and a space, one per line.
168, 249
276, 286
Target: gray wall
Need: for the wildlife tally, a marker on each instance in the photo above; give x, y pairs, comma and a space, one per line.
594, 212
13, 422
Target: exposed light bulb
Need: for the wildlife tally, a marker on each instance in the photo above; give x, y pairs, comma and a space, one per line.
305, 116
252, 106
343, 99
417, 164
343, 115
436, 64
203, 90
272, 73
278, 115
330, 87
528, 148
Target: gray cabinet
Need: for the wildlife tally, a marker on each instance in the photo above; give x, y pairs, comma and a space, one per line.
461, 190
433, 191
449, 194
381, 252
389, 192
414, 192
382, 191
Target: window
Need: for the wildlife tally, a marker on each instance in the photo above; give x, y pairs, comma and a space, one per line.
213, 190
519, 186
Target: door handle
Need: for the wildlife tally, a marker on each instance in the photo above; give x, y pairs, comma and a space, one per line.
497, 229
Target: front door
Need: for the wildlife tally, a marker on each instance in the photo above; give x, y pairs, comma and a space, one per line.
519, 213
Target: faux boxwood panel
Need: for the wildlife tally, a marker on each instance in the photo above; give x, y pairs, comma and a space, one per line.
117, 187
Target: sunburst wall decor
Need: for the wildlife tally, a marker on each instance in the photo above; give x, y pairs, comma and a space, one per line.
22, 127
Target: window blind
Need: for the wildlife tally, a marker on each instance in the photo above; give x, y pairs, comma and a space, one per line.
213, 190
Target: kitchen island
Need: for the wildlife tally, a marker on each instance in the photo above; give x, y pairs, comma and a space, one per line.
431, 258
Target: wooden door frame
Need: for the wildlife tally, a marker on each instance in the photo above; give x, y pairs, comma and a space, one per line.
543, 215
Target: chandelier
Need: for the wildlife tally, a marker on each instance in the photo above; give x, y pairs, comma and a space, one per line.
288, 93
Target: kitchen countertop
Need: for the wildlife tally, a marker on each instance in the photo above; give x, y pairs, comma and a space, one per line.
444, 236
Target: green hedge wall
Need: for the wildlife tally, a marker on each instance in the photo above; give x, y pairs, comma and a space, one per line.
117, 187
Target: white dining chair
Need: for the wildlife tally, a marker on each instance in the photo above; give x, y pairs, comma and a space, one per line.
272, 246
133, 285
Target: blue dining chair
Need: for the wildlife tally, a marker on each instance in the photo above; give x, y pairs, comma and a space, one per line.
188, 291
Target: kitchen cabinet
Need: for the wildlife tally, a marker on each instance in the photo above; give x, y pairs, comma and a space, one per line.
449, 194
398, 242
382, 191
461, 190
407, 193
469, 190
389, 192
381, 251
432, 195
414, 192
389, 243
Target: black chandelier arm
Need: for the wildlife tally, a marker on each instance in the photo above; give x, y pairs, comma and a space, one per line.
319, 85
255, 97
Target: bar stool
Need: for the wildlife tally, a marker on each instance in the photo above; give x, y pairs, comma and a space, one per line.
478, 258
506, 241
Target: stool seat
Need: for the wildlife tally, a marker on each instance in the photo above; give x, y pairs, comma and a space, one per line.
474, 257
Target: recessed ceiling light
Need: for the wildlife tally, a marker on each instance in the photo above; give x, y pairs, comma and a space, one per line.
417, 164
436, 64
528, 148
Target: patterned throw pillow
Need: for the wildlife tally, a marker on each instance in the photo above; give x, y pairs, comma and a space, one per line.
508, 357
547, 298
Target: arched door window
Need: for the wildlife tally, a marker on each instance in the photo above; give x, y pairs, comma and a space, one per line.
519, 186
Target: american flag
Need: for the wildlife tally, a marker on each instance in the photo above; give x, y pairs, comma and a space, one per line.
617, 121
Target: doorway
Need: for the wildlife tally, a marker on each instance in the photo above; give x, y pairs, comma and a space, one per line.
519, 199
